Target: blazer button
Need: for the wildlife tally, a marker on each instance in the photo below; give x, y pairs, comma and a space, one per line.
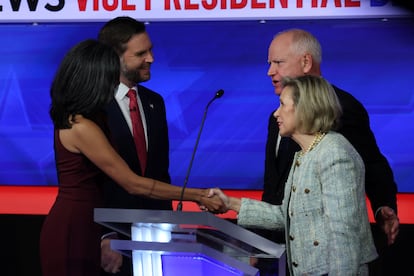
294, 188
307, 191
291, 237
294, 264
315, 243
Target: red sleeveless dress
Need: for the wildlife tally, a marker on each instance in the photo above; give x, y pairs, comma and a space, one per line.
70, 239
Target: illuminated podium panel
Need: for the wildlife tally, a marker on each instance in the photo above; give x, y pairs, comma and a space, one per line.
172, 243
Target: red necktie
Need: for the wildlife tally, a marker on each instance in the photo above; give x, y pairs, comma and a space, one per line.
137, 129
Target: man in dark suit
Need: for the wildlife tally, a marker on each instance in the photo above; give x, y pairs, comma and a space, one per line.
133, 45
294, 53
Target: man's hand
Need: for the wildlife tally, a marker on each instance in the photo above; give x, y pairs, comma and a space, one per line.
389, 223
111, 260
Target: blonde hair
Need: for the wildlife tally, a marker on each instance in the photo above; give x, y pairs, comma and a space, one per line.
316, 104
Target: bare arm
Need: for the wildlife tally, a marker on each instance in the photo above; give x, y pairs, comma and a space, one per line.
87, 138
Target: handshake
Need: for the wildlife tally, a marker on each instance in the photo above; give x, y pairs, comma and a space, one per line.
217, 202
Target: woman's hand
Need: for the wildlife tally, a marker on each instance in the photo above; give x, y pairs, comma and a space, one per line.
212, 203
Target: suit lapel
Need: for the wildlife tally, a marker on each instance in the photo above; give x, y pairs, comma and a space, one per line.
286, 152
282, 154
121, 134
147, 106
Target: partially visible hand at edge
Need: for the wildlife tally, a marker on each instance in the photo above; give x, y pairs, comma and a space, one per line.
111, 261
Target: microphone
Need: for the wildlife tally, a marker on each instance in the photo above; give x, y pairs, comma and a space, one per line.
218, 94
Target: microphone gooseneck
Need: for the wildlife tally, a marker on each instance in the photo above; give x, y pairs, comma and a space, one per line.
218, 94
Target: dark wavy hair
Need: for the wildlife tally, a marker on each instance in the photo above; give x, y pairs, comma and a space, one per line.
84, 82
118, 31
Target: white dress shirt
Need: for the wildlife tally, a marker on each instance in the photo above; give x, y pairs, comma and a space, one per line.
123, 102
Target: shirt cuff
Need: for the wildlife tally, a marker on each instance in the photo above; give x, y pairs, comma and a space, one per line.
111, 235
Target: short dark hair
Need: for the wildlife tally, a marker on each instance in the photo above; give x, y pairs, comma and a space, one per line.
118, 31
84, 82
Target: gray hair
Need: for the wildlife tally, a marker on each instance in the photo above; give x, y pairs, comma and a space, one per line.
305, 42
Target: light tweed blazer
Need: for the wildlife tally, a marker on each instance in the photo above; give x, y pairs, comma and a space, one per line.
324, 212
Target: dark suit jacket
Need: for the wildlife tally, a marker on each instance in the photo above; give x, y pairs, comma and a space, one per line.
157, 161
158, 151
380, 186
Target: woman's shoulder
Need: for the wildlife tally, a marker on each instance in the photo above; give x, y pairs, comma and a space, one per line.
337, 144
82, 125
335, 140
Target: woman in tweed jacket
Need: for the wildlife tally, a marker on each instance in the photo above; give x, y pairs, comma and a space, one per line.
324, 210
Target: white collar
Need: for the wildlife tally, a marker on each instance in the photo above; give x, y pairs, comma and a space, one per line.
123, 91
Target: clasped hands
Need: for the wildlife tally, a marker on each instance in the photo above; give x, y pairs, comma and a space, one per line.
215, 201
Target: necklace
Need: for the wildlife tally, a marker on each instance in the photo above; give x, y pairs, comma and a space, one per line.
318, 137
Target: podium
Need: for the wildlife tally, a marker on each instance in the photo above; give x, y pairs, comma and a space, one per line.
172, 243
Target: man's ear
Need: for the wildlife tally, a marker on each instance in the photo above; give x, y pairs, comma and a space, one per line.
307, 63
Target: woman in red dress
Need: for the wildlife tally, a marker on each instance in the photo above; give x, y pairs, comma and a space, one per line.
70, 239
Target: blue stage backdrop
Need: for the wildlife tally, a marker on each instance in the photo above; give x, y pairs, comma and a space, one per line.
371, 58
